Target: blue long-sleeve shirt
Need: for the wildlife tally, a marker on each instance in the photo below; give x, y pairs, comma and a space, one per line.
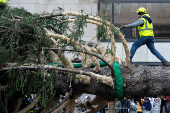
135, 24
147, 105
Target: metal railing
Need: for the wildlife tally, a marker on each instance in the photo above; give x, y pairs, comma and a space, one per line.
126, 110
116, 110
121, 110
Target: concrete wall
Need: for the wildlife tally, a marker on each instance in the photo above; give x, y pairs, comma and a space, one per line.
37, 6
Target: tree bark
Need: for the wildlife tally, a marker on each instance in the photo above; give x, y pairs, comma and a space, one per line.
139, 80
144, 80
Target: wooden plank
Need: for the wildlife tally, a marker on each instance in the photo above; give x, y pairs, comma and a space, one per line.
161, 31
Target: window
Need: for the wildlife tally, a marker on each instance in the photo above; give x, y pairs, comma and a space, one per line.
108, 8
134, 32
134, 7
149, 7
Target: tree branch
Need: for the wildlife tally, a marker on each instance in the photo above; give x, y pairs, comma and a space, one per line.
54, 108
106, 80
55, 29
67, 107
111, 106
18, 105
49, 16
62, 37
90, 53
30, 106
48, 101
3, 88
41, 17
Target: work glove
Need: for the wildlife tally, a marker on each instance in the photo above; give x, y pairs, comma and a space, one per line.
123, 26
137, 37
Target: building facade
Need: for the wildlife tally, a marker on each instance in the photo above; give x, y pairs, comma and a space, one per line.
121, 12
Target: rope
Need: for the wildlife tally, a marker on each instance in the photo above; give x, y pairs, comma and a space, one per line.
94, 45
90, 41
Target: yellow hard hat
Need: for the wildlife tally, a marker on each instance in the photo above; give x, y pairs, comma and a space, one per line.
2, 1
141, 10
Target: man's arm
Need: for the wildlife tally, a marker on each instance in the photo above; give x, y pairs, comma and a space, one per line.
135, 24
148, 107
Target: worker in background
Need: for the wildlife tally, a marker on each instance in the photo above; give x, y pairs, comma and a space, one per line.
3, 1
145, 28
2, 4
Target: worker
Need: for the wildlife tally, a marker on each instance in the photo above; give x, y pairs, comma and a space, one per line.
145, 28
3, 1
2, 4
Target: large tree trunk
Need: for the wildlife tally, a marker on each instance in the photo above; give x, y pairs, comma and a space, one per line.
144, 80
139, 81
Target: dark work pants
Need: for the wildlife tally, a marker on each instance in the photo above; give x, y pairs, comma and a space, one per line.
149, 41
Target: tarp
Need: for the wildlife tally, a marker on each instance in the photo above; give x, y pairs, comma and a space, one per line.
119, 81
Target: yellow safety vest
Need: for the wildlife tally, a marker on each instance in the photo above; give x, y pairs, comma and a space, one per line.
147, 28
2, 1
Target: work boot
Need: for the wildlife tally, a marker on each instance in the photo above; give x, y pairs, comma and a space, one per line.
165, 63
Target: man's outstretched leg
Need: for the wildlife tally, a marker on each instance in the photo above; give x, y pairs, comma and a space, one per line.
135, 46
151, 47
